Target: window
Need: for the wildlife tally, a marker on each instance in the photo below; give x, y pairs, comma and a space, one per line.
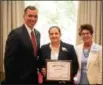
60, 13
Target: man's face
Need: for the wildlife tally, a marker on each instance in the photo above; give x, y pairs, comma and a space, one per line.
30, 18
54, 35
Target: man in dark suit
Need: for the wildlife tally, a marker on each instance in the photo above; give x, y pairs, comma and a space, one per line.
58, 50
22, 46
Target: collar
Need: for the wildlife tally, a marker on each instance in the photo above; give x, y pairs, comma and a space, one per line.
28, 29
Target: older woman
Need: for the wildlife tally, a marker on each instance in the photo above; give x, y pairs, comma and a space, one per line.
89, 57
58, 50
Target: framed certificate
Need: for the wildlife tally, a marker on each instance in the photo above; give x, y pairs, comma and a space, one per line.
58, 70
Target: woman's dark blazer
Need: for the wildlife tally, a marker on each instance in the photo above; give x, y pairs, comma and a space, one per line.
66, 52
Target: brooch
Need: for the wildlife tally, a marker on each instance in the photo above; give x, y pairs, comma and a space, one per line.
64, 49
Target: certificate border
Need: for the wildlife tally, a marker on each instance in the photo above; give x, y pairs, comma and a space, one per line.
69, 61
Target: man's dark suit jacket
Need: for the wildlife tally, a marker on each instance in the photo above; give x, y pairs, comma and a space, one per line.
19, 61
69, 54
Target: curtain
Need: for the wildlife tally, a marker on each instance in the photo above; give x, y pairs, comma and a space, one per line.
90, 12
11, 16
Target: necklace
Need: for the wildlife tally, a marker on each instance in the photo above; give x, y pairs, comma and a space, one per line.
86, 52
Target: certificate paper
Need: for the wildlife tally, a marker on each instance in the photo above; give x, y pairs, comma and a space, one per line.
59, 70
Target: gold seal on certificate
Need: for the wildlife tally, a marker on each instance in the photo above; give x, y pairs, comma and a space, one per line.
58, 70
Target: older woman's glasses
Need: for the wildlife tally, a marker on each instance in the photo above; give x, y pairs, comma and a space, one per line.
87, 33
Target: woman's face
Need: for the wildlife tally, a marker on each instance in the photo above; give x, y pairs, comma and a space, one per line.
86, 36
54, 35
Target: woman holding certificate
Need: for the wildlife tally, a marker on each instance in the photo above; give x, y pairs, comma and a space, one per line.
89, 57
57, 50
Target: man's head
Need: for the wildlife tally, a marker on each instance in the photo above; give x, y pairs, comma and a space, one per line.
30, 16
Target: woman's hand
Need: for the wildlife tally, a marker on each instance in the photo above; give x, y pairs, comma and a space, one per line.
43, 70
75, 80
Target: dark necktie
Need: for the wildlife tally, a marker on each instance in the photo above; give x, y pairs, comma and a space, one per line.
33, 39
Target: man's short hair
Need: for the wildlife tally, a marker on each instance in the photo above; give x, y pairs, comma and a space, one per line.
30, 7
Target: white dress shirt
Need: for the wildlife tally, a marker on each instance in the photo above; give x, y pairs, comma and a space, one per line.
29, 30
54, 53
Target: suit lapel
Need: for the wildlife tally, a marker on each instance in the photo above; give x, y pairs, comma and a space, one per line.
91, 55
37, 38
80, 53
60, 56
48, 50
26, 39
60, 53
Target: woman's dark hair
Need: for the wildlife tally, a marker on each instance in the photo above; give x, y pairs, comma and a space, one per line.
86, 27
54, 27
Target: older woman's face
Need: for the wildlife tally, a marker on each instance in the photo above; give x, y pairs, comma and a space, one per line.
86, 36
54, 35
